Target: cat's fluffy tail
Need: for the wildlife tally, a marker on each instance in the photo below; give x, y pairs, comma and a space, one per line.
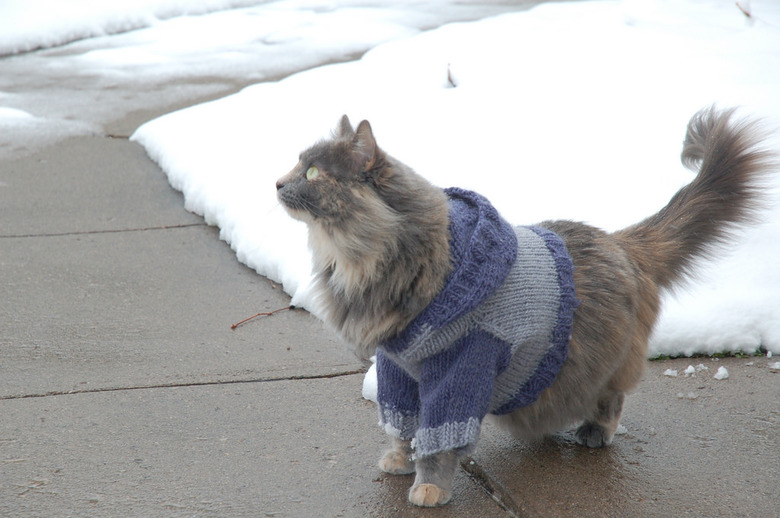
726, 191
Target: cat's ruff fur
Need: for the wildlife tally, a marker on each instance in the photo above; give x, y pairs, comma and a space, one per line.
377, 231
380, 241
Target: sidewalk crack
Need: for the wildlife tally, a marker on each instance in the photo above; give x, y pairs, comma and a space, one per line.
108, 231
494, 489
185, 384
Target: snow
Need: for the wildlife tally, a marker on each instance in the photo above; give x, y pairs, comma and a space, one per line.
599, 106
672, 373
370, 387
56, 22
568, 110
691, 371
12, 113
774, 366
92, 85
722, 373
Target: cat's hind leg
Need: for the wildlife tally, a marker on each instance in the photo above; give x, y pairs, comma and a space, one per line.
399, 459
599, 430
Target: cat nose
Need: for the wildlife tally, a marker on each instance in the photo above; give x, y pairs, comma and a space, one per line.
279, 184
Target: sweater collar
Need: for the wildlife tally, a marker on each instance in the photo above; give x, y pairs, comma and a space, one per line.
483, 248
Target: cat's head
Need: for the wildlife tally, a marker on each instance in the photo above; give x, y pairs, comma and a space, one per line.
378, 233
334, 179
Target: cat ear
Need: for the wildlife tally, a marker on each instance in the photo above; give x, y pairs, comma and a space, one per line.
364, 145
345, 127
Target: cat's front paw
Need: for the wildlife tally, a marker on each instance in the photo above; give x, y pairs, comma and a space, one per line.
429, 495
396, 463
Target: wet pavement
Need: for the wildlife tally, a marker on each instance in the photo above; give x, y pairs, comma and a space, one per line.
125, 392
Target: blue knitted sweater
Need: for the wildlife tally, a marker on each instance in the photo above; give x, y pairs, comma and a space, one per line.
490, 342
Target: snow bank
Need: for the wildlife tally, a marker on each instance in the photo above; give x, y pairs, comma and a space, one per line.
32, 24
90, 85
566, 111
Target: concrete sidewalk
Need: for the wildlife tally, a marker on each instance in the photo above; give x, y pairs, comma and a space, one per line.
124, 391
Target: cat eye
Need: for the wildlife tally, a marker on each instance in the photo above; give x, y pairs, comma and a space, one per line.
312, 173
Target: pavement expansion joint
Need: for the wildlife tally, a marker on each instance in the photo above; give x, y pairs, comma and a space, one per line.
108, 231
184, 385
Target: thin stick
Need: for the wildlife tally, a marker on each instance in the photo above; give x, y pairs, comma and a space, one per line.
450, 79
746, 12
264, 314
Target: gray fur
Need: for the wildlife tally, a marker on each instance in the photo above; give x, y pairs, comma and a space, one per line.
379, 236
378, 232
433, 481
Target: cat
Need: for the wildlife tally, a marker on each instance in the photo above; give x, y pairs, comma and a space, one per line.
419, 276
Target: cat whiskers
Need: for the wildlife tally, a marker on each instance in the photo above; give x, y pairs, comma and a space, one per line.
302, 209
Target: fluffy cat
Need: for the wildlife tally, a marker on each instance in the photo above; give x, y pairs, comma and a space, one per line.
389, 260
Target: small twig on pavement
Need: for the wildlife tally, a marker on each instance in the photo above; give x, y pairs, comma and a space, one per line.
264, 314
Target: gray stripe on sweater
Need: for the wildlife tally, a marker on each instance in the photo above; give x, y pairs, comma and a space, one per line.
398, 424
524, 312
430, 342
449, 436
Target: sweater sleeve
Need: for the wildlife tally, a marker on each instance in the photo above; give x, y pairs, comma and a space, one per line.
455, 392
398, 398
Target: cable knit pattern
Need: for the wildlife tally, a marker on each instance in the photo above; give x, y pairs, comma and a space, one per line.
492, 340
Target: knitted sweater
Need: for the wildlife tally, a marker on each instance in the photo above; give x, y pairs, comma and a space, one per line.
491, 341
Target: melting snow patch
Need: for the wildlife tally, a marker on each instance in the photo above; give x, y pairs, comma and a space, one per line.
690, 371
689, 395
722, 374
621, 430
370, 382
774, 367
13, 113
671, 373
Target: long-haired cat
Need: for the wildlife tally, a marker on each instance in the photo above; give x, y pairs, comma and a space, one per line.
536, 327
